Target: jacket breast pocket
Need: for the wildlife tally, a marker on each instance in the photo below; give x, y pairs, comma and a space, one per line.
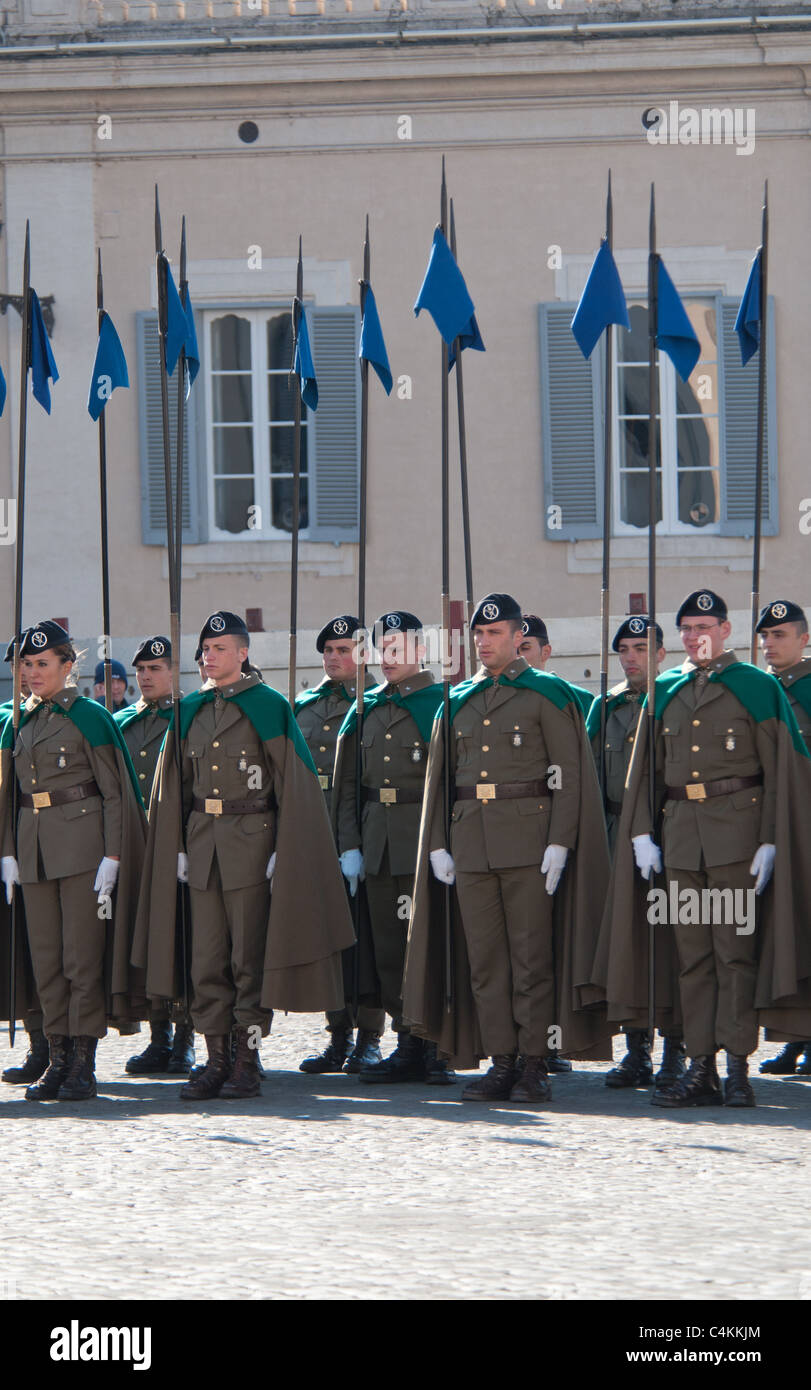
671, 731
733, 739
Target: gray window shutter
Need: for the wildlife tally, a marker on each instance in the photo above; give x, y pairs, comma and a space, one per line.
739, 391
334, 428
153, 492
571, 428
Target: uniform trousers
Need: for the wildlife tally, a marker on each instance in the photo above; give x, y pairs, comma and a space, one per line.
507, 921
718, 968
389, 899
229, 931
67, 940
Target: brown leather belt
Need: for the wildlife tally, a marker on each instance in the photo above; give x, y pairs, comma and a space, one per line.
700, 791
213, 806
60, 796
502, 791
393, 796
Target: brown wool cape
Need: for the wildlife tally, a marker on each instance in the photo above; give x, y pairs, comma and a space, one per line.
123, 983
578, 905
783, 992
309, 923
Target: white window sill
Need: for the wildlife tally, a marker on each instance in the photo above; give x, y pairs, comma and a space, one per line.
672, 552
260, 558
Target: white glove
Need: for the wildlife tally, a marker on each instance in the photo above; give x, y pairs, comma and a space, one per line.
106, 878
10, 874
353, 868
553, 864
271, 868
762, 865
182, 868
443, 866
647, 855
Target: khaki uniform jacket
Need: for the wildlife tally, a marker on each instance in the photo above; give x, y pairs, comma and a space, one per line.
224, 758
510, 734
788, 679
320, 722
143, 737
51, 754
516, 838
705, 735
394, 754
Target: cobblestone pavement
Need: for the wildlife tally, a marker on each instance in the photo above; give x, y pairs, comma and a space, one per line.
328, 1188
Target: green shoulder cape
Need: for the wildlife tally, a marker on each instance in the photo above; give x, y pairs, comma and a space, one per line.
759, 693
128, 716
593, 716
267, 710
554, 688
93, 722
421, 705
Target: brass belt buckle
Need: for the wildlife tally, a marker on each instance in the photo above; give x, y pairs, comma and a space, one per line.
388, 796
696, 792
323, 781
41, 799
213, 806
485, 792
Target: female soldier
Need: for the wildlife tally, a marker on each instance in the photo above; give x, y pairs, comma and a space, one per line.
80, 830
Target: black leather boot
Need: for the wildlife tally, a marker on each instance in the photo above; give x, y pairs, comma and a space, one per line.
636, 1067
208, 1083
674, 1064
785, 1063
155, 1057
406, 1063
737, 1087
181, 1060
245, 1079
533, 1083
437, 1072
699, 1086
365, 1053
60, 1052
34, 1063
497, 1083
556, 1063
80, 1080
334, 1055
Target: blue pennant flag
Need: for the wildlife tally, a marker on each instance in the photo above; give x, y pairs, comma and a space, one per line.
747, 324
2, 391
372, 347
177, 326
303, 365
674, 332
444, 294
192, 350
601, 303
41, 360
109, 368
470, 338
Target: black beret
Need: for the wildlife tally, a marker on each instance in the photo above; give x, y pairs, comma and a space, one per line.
344, 626
533, 626
118, 671
702, 603
41, 637
9, 656
635, 627
198, 655
153, 649
496, 608
398, 620
221, 623
781, 611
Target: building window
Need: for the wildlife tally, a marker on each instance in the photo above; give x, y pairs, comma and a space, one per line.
688, 457
249, 417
